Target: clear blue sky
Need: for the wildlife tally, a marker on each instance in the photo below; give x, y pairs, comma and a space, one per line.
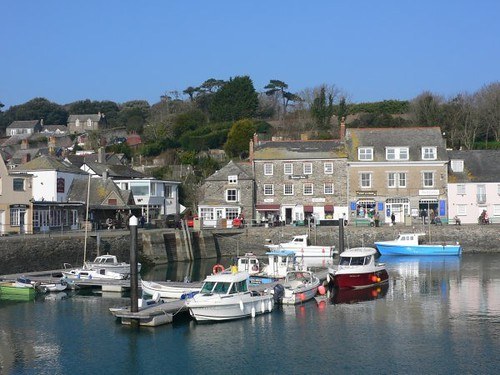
123, 50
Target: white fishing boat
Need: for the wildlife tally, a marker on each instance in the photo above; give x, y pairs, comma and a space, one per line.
301, 245
170, 289
111, 263
225, 296
249, 263
93, 274
58, 286
298, 287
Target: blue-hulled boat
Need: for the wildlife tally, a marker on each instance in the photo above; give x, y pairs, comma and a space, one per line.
414, 244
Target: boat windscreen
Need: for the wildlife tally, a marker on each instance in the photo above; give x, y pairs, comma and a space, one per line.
221, 287
207, 287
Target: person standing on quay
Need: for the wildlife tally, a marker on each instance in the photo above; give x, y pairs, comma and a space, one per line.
376, 218
393, 219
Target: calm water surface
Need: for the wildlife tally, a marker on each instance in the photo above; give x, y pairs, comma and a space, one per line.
436, 316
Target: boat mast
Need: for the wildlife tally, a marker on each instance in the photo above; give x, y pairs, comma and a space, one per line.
86, 221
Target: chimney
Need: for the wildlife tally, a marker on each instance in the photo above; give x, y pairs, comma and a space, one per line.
342, 128
101, 155
250, 151
105, 174
52, 145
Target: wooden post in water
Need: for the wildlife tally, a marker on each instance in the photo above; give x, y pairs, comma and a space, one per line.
341, 235
134, 287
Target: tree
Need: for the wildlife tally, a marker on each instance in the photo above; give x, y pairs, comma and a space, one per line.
322, 109
426, 109
235, 100
278, 89
36, 109
488, 104
188, 121
238, 139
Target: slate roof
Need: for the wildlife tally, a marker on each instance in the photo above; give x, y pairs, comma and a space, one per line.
479, 166
115, 171
48, 163
84, 117
79, 160
290, 150
380, 138
23, 124
100, 191
243, 171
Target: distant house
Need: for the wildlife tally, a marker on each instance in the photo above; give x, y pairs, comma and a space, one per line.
82, 123
227, 194
24, 127
54, 130
134, 140
473, 185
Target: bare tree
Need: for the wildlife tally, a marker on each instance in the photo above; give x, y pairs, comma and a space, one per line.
488, 106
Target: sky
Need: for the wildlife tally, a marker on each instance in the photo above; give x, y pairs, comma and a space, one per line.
123, 50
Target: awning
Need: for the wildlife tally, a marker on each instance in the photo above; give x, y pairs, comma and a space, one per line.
267, 207
308, 209
328, 208
428, 200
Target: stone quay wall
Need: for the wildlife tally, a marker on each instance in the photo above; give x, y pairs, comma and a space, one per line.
30, 253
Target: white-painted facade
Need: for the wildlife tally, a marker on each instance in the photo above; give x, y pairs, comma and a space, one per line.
468, 200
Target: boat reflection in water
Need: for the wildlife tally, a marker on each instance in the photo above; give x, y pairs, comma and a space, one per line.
358, 295
411, 265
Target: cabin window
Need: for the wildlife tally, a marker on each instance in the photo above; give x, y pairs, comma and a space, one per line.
207, 287
221, 287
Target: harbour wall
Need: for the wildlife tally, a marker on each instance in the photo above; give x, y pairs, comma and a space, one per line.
30, 253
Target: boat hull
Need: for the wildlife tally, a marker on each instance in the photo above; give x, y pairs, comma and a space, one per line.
216, 308
11, 290
358, 280
299, 296
392, 249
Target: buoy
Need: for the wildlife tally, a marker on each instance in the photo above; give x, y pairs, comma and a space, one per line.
253, 312
302, 297
374, 278
378, 279
321, 290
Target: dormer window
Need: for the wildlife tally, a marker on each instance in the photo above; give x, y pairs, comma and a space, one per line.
233, 179
89, 123
429, 153
396, 153
457, 166
365, 153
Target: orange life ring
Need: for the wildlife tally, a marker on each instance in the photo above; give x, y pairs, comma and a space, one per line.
218, 268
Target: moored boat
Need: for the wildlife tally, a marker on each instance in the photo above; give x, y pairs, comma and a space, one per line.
298, 287
414, 244
358, 268
226, 296
170, 289
93, 274
12, 290
302, 247
279, 263
110, 262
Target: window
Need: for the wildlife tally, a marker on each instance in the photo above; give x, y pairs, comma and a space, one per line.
232, 195
498, 189
268, 169
288, 189
288, 168
268, 189
429, 153
328, 167
395, 179
232, 213
365, 153
365, 180
308, 189
89, 123
207, 213
428, 179
329, 188
139, 188
308, 168
15, 216
461, 189
461, 209
396, 153
18, 184
457, 166
232, 179
77, 123
496, 210
481, 194
168, 191
112, 201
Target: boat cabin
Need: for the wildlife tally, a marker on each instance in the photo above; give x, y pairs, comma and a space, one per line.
106, 259
411, 238
249, 263
225, 283
280, 262
357, 257
301, 241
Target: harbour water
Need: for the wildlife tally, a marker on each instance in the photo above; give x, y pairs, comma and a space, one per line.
435, 316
